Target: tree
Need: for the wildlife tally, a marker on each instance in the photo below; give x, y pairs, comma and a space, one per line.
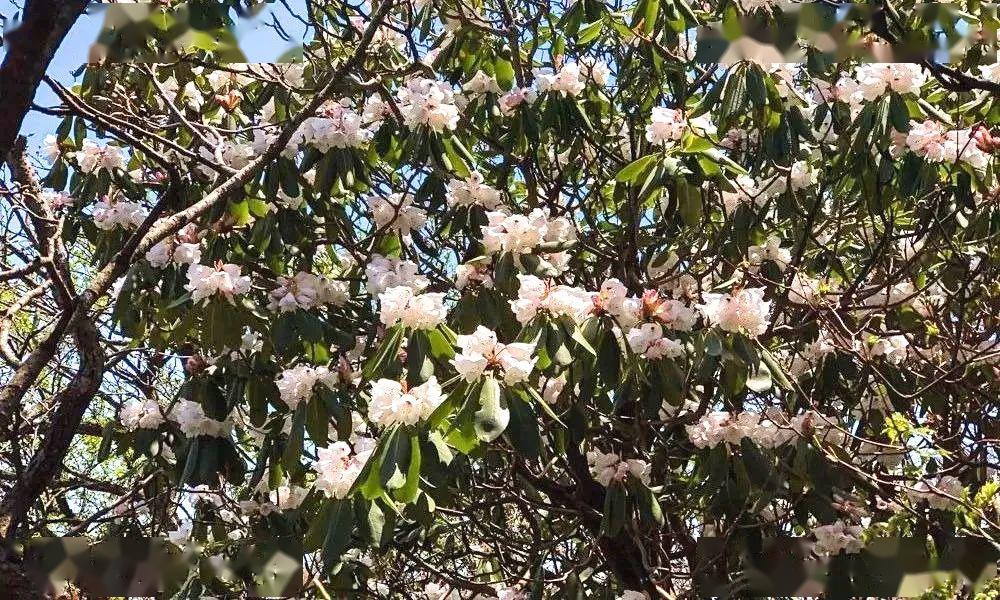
510, 299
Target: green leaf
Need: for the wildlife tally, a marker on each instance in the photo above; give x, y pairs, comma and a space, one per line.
408, 493
338, 536
493, 416
293, 447
522, 432
615, 510
386, 352
632, 171
589, 33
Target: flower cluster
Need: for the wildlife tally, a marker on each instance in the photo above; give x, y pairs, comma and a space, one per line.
743, 311
648, 341
92, 157
472, 191
338, 126
770, 430
390, 403
667, 125
192, 420
223, 279
110, 213
136, 414
417, 311
481, 351
396, 213
610, 468
384, 272
534, 295
182, 249
523, 233
306, 291
296, 384
428, 102
836, 537
935, 143
338, 466
567, 81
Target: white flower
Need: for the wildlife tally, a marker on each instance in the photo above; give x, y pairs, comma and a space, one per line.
837, 537
416, 311
223, 280
472, 272
136, 414
50, 146
338, 466
159, 255
191, 419
288, 497
666, 126
396, 213
609, 468
710, 430
296, 384
514, 98
480, 84
772, 251
57, 200
553, 388
751, 191
338, 125
991, 72
745, 311
568, 81
534, 295
874, 79
757, 5
428, 102
802, 175
613, 299
594, 69
109, 214
384, 272
182, 249
390, 404
306, 291
472, 191
481, 350
92, 157
647, 340
893, 348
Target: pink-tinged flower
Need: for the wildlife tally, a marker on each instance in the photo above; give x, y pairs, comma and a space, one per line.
667, 125
416, 311
610, 468
744, 311
567, 81
481, 351
338, 466
428, 102
391, 403
396, 213
224, 280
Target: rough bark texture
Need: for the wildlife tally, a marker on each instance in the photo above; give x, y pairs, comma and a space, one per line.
30, 48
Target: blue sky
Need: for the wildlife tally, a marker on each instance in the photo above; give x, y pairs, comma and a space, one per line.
259, 42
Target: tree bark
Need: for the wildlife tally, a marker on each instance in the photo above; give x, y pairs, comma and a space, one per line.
30, 49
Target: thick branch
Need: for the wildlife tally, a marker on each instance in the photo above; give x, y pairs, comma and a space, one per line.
30, 48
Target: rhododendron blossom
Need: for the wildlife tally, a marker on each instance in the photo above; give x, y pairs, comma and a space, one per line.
744, 311
221, 280
390, 403
481, 351
417, 311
